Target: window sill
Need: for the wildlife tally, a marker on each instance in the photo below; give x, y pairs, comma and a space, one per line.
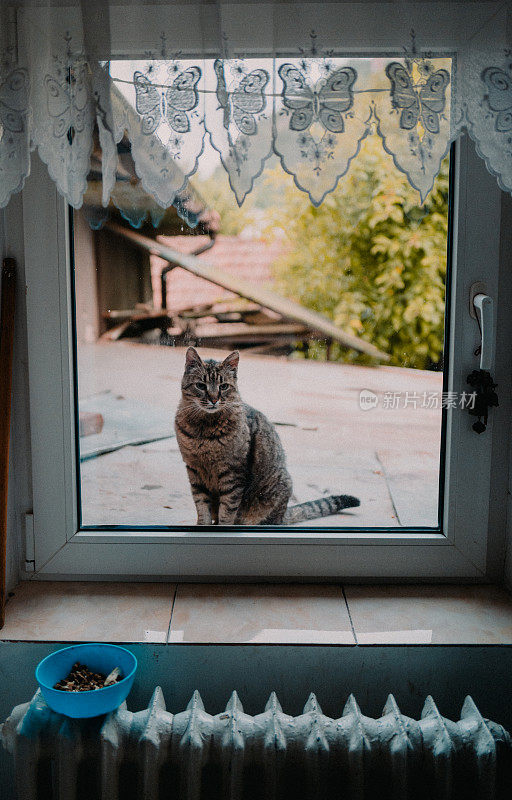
188, 613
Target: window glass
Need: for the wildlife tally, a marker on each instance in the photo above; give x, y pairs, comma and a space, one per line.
287, 417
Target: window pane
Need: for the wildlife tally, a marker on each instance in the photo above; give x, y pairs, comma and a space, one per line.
354, 440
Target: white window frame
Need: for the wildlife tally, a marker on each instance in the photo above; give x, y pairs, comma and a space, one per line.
64, 551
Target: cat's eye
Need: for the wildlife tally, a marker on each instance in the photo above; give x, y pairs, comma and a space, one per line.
201, 386
224, 386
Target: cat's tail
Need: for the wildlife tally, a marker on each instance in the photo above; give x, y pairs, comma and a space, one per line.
324, 507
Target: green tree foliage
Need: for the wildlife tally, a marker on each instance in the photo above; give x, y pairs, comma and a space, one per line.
370, 257
217, 194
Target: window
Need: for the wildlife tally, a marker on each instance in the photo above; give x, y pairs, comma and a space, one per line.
371, 259
87, 522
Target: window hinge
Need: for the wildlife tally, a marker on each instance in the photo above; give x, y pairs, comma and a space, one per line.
30, 550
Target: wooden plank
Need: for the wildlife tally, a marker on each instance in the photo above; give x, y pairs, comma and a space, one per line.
137, 324
282, 346
6, 357
240, 329
245, 288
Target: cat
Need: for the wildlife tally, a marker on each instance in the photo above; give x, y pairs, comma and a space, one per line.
234, 458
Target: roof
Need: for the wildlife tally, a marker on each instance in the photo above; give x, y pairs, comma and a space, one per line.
233, 281
246, 257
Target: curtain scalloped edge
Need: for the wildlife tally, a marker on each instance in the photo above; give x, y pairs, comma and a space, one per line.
76, 198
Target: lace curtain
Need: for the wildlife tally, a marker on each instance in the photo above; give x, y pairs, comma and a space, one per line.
253, 80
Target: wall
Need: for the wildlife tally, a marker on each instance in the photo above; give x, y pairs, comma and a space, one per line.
500, 517
87, 319
508, 561
333, 673
20, 479
500, 521
110, 273
124, 274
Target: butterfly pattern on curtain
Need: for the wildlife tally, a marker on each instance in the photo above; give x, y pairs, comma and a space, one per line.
61, 114
14, 136
413, 120
311, 112
164, 119
239, 119
319, 122
487, 113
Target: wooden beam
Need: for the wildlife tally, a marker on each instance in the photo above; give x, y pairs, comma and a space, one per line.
243, 288
6, 356
227, 329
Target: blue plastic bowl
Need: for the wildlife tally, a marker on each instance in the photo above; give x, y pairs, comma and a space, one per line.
99, 658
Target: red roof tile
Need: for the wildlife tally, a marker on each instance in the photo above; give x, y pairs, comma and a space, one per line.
248, 258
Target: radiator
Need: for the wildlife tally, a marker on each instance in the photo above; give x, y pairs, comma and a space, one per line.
153, 754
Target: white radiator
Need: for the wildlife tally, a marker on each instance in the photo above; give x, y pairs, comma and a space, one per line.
153, 754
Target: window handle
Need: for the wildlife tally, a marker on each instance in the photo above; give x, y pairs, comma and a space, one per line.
481, 380
484, 312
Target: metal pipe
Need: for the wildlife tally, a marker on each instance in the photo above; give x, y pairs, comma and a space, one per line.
172, 264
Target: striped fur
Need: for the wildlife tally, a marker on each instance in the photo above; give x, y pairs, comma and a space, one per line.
235, 461
324, 507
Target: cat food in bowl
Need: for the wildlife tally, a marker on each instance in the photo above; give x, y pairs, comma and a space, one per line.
72, 680
83, 679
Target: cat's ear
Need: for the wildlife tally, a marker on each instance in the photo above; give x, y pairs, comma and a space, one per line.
192, 358
231, 361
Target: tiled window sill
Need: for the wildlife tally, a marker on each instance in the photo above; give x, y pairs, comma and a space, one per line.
258, 613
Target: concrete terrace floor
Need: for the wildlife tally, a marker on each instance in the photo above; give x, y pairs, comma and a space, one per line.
388, 457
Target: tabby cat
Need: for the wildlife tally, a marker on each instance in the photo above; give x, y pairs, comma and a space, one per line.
235, 460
